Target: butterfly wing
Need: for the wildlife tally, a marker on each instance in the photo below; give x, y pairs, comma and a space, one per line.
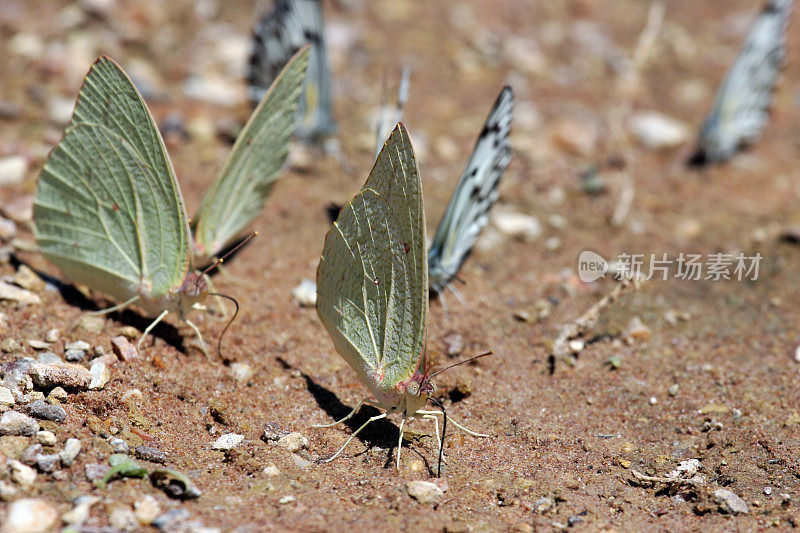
107, 210
372, 281
280, 34
476, 191
244, 182
741, 107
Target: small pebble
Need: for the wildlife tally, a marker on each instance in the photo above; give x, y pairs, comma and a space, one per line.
6, 396
71, 450
8, 229
47, 462
78, 345
673, 390
30, 515
653, 400
242, 371
48, 358
10, 345
123, 519
227, 441
96, 472
17, 294
517, 225
80, 512
577, 136
424, 491
293, 441
148, 453
46, 438
146, 509
58, 394
52, 335
305, 293
28, 457
39, 345
124, 349
271, 470
767, 490
454, 344
8, 491
21, 474
636, 331
74, 355
171, 519
119, 445
26, 278
16, 423
100, 374
12, 169
730, 502
91, 324
46, 411
657, 131
67, 375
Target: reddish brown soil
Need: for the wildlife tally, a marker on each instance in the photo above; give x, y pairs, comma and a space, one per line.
574, 435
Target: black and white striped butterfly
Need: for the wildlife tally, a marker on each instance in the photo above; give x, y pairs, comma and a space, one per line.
279, 34
741, 107
467, 212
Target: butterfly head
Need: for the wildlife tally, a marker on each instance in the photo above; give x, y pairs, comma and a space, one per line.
193, 290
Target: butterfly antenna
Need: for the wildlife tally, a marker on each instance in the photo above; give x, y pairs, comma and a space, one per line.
233, 250
236, 312
438, 404
490, 352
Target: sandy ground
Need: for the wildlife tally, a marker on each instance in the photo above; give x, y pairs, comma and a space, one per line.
718, 384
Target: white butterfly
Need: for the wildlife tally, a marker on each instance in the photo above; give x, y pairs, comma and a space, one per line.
476, 192
277, 37
741, 107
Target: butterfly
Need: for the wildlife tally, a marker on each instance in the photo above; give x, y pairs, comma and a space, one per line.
108, 210
467, 212
372, 288
741, 107
290, 25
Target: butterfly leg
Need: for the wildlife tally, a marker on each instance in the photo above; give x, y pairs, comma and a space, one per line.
400, 441
456, 424
119, 307
149, 328
199, 336
356, 432
436, 427
345, 419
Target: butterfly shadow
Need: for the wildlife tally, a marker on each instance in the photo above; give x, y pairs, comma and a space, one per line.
72, 296
380, 433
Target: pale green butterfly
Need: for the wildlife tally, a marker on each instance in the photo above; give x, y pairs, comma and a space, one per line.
108, 211
372, 288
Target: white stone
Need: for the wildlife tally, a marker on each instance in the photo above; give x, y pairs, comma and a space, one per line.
100, 374
71, 450
517, 225
242, 371
80, 512
293, 441
123, 519
16, 423
21, 474
30, 515
657, 131
146, 509
12, 169
424, 491
17, 294
46, 438
305, 293
227, 441
6, 396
